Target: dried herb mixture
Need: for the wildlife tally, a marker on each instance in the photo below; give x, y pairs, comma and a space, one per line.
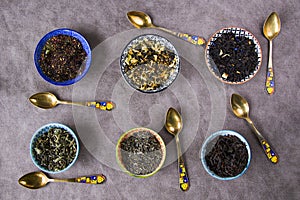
149, 65
62, 58
55, 149
141, 153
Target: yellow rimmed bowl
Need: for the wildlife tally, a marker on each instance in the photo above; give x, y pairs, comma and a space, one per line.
140, 152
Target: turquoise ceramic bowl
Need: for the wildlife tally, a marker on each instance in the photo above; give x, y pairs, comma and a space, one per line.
43, 130
210, 142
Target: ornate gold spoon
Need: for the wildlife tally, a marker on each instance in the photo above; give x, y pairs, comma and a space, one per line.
35, 180
174, 125
48, 100
142, 20
271, 29
240, 108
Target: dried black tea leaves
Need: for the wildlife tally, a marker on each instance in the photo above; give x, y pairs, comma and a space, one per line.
62, 58
55, 149
235, 57
228, 157
141, 153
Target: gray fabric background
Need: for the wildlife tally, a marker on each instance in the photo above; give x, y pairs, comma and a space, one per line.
23, 23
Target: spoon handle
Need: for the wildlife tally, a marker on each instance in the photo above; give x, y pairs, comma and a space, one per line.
102, 105
270, 83
194, 39
183, 176
95, 179
269, 151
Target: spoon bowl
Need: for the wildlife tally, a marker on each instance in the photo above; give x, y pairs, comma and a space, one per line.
44, 100
272, 26
139, 19
173, 122
240, 106
34, 180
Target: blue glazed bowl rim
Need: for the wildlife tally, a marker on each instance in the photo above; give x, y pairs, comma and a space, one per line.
43, 130
214, 136
69, 32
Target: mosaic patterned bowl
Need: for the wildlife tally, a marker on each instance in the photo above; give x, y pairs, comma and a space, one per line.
210, 142
40, 132
238, 32
149, 63
138, 133
67, 32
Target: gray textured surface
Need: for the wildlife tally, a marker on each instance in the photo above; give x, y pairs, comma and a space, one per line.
23, 23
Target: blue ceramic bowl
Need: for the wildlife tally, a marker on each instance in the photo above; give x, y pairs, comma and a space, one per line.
68, 32
210, 142
44, 129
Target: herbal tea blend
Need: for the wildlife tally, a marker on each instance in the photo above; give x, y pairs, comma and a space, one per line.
55, 150
228, 157
149, 64
62, 58
141, 153
234, 56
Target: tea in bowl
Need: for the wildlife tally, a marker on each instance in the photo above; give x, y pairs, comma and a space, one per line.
225, 155
54, 148
233, 55
150, 63
141, 152
63, 57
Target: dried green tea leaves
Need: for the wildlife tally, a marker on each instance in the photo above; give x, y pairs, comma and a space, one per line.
228, 157
55, 149
141, 153
62, 58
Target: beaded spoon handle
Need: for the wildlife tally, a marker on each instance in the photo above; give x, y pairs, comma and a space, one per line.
240, 108
268, 150
183, 176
